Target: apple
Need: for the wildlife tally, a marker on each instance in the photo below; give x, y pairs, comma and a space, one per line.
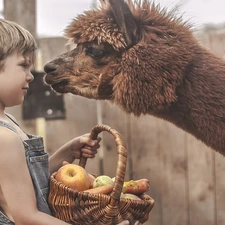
73, 176
92, 179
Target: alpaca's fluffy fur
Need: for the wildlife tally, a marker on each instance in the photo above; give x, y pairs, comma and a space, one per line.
143, 59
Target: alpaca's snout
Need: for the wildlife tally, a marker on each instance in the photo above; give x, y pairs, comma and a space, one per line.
50, 67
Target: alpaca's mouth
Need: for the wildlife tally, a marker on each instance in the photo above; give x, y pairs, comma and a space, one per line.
60, 86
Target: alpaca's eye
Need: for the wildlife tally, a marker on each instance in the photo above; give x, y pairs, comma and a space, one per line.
95, 53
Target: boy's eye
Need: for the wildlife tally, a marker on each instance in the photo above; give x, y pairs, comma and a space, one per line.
25, 65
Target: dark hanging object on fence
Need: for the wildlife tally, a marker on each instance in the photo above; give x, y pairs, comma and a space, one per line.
41, 101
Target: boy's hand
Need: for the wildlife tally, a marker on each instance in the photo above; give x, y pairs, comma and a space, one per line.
85, 146
90, 146
72, 150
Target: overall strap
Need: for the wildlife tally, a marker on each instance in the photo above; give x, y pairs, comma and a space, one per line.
4, 124
12, 119
17, 125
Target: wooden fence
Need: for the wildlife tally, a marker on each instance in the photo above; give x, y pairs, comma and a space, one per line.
186, 177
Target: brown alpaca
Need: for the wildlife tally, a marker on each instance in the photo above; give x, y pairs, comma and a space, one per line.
141, 58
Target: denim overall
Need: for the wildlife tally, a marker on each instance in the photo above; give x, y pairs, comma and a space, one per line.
37, 163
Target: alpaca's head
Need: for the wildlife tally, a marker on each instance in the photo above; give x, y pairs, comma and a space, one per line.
133, 54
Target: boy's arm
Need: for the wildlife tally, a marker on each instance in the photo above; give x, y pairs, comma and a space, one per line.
16, 183
72, 150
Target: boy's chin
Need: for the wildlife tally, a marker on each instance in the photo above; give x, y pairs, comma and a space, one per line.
16, 103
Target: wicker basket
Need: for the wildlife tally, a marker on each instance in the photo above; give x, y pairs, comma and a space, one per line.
81, 208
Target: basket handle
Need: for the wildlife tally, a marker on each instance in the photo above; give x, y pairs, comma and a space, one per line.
121, 164
93, 135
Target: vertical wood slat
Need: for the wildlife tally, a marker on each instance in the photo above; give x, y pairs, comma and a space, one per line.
217, 45
174, 174
118, 120
201, 183
22, 12
220, 189
87, 119
80, 119
146, 157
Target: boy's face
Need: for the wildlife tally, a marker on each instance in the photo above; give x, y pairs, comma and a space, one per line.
14, 80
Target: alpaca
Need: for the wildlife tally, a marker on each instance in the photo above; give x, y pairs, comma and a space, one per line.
145, 60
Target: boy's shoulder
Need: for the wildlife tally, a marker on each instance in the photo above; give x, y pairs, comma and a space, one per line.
11, 147
8, 137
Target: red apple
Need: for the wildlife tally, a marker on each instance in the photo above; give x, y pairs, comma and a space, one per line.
91, 179
73, 176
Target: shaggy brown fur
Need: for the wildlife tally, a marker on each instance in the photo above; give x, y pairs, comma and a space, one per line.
143, 59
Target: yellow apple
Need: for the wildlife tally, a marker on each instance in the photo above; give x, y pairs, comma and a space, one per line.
73, 176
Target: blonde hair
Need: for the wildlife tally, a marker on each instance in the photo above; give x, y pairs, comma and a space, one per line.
14, 38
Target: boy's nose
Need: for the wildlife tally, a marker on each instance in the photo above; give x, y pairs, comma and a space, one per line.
30, 77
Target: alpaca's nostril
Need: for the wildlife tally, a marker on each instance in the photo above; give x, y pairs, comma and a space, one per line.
50, 67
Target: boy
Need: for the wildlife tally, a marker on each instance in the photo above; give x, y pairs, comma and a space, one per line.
24, 165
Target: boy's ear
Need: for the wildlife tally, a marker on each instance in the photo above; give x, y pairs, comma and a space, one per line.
124, 19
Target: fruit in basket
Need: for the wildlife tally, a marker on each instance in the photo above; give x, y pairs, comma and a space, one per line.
73, 176
92, 179
131, 196
102, 180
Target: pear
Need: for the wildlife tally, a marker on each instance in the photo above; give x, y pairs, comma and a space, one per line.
102, 180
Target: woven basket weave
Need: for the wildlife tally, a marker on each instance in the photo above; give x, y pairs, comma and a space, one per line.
82, 208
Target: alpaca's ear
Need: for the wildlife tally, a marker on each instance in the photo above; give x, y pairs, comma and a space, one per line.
124, 19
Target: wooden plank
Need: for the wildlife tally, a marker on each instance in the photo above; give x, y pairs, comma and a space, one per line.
220, 189
146, 157
174, 190
23, 14
115, 118
201, 183
80, 119
50, 48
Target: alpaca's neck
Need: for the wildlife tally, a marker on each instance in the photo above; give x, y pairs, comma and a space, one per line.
200, 106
